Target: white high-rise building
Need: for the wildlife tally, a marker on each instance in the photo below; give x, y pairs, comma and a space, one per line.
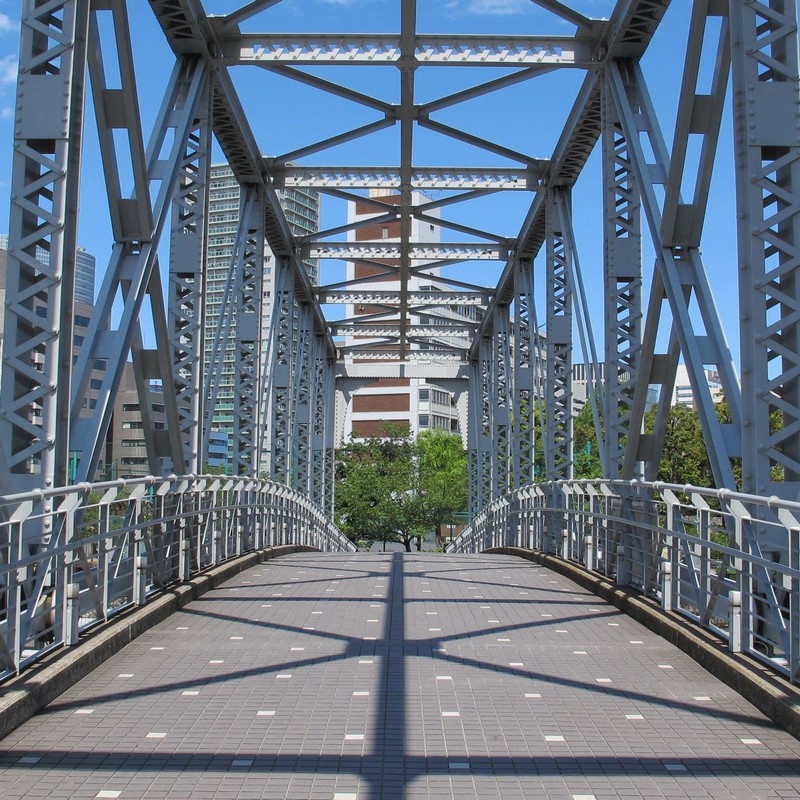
301, 207
85, 265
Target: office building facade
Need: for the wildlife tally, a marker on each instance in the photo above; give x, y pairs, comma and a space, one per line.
301, 208
412, 404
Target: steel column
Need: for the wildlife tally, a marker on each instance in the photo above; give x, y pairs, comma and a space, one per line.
133, 272
684, 284
526, 371
302, 388
767, 136
281, 377
37, 340
622, 271
186, 294
502, 392
558, 377
248, 304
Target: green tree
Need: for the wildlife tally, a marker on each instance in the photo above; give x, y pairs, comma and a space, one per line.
375, 488
442, 468
684, 458
586, 453
393, 488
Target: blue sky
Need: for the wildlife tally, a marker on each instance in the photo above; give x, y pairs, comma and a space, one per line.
527, 117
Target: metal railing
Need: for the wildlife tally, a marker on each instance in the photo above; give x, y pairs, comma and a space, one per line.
71, 558
728, 561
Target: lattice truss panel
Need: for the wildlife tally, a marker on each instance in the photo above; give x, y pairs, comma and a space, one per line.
768, 175
558, 376
186, 281
44, 200
623, 284
526, 376
247, 375
501, 408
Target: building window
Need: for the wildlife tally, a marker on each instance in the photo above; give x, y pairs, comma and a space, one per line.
132, 442
130, 406
132, 425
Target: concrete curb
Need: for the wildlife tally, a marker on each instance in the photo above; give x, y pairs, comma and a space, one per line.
39, 685
771, 694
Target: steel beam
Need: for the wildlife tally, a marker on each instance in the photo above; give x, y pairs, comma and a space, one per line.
301, 49
422, 178
450, 251
248, 302
186, 293
683, 281
622, 275
37, 340
418, 300
767, 131
558, 374
525, 374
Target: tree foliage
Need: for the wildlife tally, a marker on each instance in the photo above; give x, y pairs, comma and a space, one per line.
586, 452
442, 470
684, 458
395, 488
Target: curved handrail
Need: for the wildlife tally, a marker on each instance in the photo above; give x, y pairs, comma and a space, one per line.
73, 557
727, 560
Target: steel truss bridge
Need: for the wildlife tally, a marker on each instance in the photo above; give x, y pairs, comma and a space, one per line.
73, 553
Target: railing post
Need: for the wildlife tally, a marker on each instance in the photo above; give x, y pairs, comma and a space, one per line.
588, 551
623, 571
72, 613
735, 621
139, 579
666, 585
216, 547
185, 570
565, 544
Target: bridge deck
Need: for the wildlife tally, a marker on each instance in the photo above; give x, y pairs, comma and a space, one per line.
361, 676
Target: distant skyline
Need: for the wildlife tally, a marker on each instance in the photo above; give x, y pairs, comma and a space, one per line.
527, 117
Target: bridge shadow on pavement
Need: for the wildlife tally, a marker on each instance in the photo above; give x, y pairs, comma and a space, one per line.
367, 676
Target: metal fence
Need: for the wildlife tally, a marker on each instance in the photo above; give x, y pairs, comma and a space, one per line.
728, 561
73, 557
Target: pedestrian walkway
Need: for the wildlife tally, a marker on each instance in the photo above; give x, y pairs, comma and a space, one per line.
368, 675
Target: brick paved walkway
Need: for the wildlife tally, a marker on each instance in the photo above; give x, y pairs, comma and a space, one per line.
366, 676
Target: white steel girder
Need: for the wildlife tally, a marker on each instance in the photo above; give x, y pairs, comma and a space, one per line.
466, 50
622, 272
186, 294
133, 271
526, 376
248, 302
37, 340
681, 280
767, 133
557, 434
